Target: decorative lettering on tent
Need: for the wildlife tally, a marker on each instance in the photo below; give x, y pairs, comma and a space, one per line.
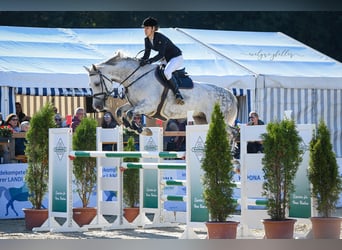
272, 56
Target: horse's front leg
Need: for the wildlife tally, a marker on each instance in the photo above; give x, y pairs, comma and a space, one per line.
137, 127
121, 113
130, 114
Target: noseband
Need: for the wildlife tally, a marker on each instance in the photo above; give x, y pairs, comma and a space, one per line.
104, 90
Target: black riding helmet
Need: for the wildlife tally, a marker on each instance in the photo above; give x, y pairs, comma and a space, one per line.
150, 21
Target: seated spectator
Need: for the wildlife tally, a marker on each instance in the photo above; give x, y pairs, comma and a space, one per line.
13, 122
255, 146
137, 123
78, 116
236, 139
59, 122
108, 121
20, 142
175, 143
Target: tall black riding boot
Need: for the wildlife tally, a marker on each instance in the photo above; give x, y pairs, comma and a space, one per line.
174, 87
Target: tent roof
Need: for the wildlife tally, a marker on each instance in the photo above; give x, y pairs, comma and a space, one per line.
54, 57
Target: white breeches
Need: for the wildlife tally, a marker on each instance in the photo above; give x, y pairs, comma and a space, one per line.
174, 64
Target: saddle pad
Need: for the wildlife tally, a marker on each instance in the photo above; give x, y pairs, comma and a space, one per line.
184, 82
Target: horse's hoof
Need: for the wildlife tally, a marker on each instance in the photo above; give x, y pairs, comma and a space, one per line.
147, 132
179, 101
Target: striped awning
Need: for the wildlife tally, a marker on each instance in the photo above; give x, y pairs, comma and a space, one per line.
86, 91
54, 91
244, 108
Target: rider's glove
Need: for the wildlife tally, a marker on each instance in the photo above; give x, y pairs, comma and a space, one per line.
144, 62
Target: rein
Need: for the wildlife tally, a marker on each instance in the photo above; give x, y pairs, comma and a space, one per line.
129, 85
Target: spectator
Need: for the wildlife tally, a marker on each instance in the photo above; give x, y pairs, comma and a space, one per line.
60, 123
78, 116
108, 121
55, 110
137, 124
236, 139
175, 143
255, 146
20, 142
13, 122
24, 126
19, 112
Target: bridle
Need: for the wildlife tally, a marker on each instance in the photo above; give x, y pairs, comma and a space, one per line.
105, 92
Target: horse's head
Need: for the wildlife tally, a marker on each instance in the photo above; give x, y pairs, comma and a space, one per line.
101, 86
107, 76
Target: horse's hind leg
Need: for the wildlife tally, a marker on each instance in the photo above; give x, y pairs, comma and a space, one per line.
200, 118
7, 206
10, 204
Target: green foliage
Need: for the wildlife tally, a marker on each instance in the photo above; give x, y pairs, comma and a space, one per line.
218, 185
131, 183
323, 172
84, 170
37, 152
282, 156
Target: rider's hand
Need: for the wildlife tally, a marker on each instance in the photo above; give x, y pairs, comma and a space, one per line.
143, 62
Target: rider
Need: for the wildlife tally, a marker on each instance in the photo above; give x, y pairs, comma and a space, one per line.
167, 50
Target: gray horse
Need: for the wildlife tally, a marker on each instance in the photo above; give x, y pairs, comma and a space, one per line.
144, 93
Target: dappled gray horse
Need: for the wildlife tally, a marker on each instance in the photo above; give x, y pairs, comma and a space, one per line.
144, 93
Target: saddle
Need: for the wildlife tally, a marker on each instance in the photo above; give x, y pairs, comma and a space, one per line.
183, 79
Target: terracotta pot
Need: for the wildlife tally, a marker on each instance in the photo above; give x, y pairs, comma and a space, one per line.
84, 215
222, 230
35, 217
279, 229
131, 213
326, 227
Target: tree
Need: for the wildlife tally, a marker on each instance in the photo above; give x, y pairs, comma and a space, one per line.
218, 170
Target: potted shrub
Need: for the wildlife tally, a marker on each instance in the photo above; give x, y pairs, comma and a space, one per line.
131, 185
37, 173
282, 156
326, 184
218, 184
84, 169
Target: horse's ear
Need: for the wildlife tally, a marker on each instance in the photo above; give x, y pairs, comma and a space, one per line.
87, 69
94, 67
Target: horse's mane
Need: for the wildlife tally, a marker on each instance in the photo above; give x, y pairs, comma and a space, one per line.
118, 56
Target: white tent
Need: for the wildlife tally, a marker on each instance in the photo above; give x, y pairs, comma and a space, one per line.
49, 61
273, 71
290, 76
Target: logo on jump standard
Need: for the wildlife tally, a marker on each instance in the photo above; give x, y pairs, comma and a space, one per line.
60, 149
151, 145
198, 149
